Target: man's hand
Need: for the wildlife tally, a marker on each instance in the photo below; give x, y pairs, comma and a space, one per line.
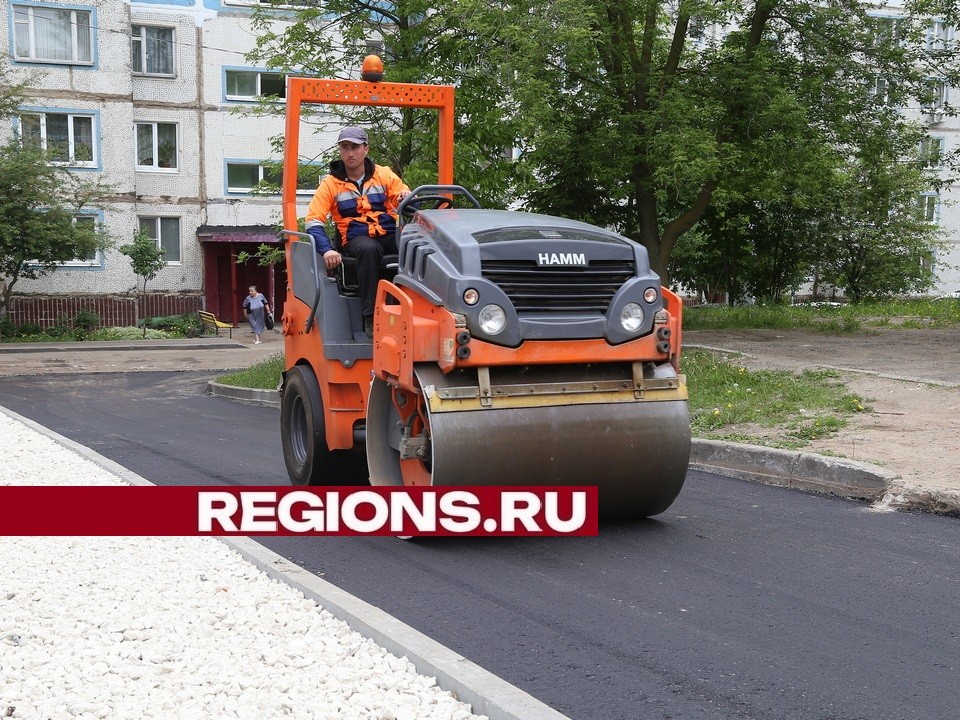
402, 194
331, 259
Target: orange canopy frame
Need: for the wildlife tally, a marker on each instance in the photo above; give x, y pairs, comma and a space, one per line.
359, 92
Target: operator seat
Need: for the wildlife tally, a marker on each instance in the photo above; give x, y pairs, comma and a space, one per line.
346, 274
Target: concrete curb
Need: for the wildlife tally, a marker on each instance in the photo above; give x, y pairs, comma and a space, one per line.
940, 502
486, 693
793, 469
247, 396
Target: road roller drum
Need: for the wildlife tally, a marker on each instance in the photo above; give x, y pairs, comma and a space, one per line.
634, 449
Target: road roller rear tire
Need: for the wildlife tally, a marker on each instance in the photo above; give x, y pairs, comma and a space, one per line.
303, 432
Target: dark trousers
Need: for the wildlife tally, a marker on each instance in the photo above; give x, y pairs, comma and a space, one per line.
369, 253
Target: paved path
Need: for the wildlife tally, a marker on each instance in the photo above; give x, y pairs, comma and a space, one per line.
209, 353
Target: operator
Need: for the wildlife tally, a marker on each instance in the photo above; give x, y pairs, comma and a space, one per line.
362, 199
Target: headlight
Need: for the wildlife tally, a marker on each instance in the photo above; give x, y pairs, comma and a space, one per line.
650, 295
492, 319
631, 317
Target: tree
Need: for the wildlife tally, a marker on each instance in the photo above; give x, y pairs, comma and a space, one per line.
38, 206
882, 234
742, 120
635, 116
421, 43
146, 259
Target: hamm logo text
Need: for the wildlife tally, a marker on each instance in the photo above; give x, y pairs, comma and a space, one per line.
561, 259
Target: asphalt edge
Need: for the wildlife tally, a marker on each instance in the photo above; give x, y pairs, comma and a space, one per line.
486, 693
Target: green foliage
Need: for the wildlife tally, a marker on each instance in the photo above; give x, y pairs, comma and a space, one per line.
423, 43
826, 317
38, 202
64, 333
146, 259
265, 255
131, 333
37, 205
264, 375
86, 319
632, 116
185, 325
28, 329
777, 408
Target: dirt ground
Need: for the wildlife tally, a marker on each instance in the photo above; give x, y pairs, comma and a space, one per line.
910, 380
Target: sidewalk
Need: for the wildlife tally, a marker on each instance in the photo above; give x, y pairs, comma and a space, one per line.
206, 353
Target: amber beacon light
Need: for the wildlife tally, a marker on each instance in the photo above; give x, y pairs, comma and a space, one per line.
372, 69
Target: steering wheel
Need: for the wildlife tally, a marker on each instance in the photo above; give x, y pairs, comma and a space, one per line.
435, 202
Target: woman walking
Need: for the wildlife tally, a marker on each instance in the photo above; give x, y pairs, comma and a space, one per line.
255, 309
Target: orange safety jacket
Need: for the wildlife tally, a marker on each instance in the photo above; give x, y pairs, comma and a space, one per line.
369, 210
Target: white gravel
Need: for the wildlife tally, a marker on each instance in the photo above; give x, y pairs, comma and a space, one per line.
174, 627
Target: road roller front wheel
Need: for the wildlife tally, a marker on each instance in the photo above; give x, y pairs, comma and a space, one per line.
303, 432
398, 437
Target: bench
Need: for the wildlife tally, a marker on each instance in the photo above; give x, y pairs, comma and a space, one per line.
212, 324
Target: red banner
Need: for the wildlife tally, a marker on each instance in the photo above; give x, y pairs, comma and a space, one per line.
406, 511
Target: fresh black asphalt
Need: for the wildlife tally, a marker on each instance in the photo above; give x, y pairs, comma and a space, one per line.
741, 601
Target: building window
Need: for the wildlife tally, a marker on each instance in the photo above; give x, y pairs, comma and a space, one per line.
52, 34
886, 31
881, 90
156, 146
151, 50
94, 258
90, 222
928, 206
934, 95
166, 232
245, 177
939, 36
250, 84
67, 138
931, 152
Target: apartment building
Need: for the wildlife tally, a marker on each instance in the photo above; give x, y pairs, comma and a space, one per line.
147, 94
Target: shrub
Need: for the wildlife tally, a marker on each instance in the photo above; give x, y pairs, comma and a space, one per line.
29, 329
7, 328
179, 325
59, 331
129, 333
86, 320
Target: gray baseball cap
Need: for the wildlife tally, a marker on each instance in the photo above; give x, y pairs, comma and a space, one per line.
353, 134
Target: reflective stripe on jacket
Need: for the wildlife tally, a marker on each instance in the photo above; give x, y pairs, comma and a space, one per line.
370, 211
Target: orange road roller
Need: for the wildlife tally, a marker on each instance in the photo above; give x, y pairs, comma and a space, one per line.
509, 348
